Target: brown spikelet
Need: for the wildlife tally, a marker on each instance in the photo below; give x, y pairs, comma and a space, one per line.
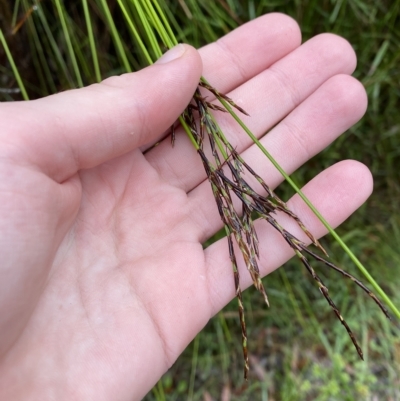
226, 175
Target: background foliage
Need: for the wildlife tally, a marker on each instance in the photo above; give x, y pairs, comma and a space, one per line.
299, 351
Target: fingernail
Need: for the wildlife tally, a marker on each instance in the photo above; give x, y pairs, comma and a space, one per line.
172, 54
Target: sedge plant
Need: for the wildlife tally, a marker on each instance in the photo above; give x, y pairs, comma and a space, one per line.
199, 123
150, 27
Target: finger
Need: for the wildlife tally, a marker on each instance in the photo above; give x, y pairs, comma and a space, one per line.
268, 97
337, 192
338, 104
248, 50
245, 52
82, 128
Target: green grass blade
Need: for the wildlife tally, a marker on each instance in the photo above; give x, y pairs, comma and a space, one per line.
177, 27
149, 32
379, 57
80, 42
165, 23
54, 46
117, 40
169, 42
37, 62
135, 32
194, 366
44, 61
13, 66
15, 12
91, 41
67, 36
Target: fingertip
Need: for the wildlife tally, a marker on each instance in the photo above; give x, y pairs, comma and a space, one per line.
351, 182
82, 128
167, 85
193, 57
289, 27
182, 62
337, 192
359, 93
360, 178
187, 69
182, 52
356, 95
334, 47
347, 97
354, 185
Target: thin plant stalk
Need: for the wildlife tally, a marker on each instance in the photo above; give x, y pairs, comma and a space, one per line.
71, 52
53, 44
13, 66
17, 25
15, 12
149, 31
235, 225
228, 107
168, 41
48, 78
116, 37
165, 23
196, 343
91, 41
356, 261
135, 33
36, 60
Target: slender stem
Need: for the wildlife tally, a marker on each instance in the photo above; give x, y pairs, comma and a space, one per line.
194, 366
353, 257
117, 40
91, 41
36, 59
53, 44
169, 40
69, 44
15, 13
40, 50
165, 23
189, 133
149, 31
135, 32
13, 66
218, 140
158, 24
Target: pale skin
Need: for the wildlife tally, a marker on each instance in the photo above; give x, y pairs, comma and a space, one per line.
103, 278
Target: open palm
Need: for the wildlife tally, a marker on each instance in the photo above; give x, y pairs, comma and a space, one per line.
103, 279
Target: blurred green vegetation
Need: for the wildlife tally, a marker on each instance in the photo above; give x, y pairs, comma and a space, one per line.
299, 351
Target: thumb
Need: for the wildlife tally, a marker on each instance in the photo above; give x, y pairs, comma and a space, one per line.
82, 128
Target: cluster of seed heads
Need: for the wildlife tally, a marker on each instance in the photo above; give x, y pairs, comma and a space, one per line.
226, 176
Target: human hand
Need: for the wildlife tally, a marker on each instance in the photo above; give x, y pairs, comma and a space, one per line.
103, 277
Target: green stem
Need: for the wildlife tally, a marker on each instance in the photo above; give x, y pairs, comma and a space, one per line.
353, 257
188, 132
149, 31
13, 66
69, 44
165, 23
53, 44
117, 40
169, 40
194, 366
44, 61
91, 41
15, 13
135, 33
159, 26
